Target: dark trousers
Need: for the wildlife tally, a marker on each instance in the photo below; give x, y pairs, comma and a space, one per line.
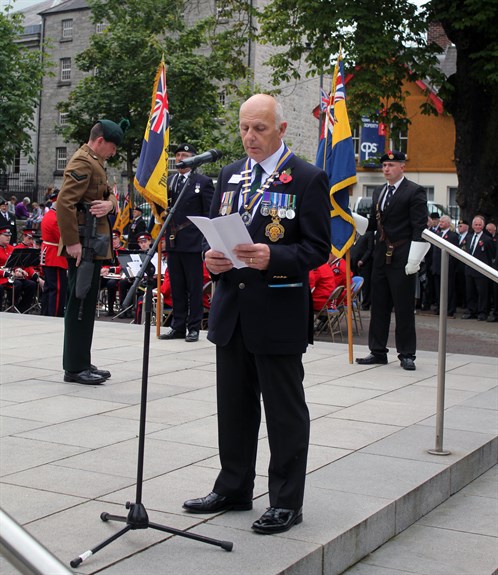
54, 291
78, 333
186, 277
24, 294
477, 289
391, 287
451, 308
242, 377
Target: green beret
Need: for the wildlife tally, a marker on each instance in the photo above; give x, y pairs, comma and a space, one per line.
113, 132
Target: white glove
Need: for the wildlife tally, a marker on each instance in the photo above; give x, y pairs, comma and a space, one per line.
415, 257
361, 223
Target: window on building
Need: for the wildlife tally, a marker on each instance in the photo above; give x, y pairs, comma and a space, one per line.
63, 117
16, 165
67, 29
368, 190
222, 98
100, 27
222, 11
60, 158
453, 207
65, 69
355, 130
430, 193
399, 141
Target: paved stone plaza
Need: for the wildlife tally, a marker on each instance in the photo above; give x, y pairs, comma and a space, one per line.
69, 452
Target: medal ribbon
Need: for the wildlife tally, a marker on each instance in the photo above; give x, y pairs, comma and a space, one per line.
246, 176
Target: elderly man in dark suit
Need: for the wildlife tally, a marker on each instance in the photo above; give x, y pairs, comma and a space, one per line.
451, 236
184, 248
261, 317
7, 220
480, 245
399, 212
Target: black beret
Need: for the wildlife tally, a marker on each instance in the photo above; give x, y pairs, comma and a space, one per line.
138, 208
392, 156
464, 222
434, 215
186, 148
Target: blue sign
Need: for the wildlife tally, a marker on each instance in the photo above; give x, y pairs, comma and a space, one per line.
372, 143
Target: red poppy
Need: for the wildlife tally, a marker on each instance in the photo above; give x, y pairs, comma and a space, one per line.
285, 178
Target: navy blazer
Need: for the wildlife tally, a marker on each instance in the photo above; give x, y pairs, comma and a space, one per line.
196, 201
274, 306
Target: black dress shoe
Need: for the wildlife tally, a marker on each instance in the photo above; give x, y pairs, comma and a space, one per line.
172, 334
468, 316
213, 503
482, 317
192, 335
407, 363
372, 359
102, 372
277, 520
86, 377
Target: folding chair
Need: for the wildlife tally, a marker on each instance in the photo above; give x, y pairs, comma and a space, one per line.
330, 315
356, 285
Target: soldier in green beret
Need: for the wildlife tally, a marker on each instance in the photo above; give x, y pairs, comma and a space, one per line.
85, 191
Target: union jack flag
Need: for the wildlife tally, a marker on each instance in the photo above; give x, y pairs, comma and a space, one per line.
159, 121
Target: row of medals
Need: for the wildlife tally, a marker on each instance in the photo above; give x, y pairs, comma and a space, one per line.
282, 206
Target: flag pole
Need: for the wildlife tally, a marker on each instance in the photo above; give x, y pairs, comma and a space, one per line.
349, 306
159, 299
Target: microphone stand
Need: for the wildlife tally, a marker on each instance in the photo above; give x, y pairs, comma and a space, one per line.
137, 517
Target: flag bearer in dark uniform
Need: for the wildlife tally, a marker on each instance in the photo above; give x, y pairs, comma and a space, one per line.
85, 188
184, 247
261, 317
399, 212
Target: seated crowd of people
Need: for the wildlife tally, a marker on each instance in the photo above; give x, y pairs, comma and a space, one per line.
41, 286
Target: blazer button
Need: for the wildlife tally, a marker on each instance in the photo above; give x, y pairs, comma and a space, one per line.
242, 286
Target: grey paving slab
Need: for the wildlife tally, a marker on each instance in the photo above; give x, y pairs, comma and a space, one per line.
339, 395
468, 419
13, 425
431, 551
60, 408
66, 480
346, 433
18, 453
121, 458
92, 432
27, 504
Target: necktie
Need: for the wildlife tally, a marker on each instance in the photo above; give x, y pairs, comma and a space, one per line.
473, 244
256, 183
389, 195
179, 183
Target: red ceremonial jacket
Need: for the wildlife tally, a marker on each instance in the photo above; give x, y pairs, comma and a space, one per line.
50, 242
5, 252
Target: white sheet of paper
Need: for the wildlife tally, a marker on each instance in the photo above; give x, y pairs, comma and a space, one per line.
223, 234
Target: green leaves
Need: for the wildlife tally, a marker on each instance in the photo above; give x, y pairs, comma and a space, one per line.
21, 73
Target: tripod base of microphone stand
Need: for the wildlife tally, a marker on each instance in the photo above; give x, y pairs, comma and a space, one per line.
137, 518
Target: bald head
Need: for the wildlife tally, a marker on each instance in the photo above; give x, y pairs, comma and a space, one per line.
261, 126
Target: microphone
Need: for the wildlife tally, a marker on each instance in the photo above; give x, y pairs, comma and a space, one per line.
194, 161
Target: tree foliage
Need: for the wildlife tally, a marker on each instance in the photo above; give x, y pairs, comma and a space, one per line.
203, 58
383, 44
471, 96
21, 74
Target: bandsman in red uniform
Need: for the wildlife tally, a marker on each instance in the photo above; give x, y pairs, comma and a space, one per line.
26, 279
54, 266
5, 250
339, 273
322, 284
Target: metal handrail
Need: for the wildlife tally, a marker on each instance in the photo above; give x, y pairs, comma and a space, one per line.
446, 249
459, 254
24, 552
